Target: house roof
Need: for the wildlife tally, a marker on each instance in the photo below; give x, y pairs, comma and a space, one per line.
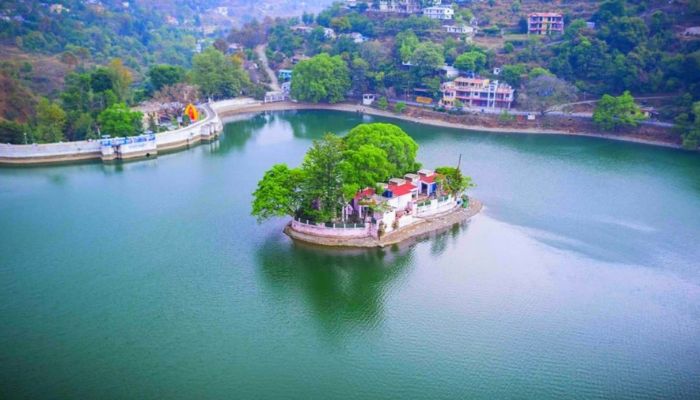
428, 179
400, 190
366, 192
545, 14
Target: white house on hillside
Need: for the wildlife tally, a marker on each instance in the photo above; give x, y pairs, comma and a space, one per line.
439, 12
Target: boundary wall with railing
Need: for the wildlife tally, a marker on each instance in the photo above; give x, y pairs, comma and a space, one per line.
207, 128
334, 230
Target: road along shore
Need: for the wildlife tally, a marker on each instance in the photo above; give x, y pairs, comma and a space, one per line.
219, 112
434, 119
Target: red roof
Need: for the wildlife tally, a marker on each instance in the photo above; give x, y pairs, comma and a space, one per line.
400, 190
428, 179
366, 192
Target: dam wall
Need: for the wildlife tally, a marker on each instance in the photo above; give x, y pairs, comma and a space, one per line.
107, 150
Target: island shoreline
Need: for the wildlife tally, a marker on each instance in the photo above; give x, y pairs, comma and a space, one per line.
413, 232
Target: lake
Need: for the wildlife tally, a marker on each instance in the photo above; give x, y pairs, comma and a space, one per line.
580, 279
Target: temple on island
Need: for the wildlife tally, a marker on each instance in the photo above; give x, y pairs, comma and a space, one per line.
392, 206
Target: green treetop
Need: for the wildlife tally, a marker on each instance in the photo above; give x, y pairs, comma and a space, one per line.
118, 120
333, 170
614, 112
364, 166
321, 78
406, 43
427, 58
453, 181
50, 120
278, 193
217, 75
688, 124
165, 75
323, 185
471, 61
400, 148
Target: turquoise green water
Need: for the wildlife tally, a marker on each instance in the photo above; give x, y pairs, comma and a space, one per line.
579, 280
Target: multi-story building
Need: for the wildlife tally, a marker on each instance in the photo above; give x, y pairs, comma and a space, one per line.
462, 29
545, 23
477, 92
439, 12
400, 6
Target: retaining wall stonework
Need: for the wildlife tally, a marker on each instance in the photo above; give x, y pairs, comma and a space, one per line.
321, 230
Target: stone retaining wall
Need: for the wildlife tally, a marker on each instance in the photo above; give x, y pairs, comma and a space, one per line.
332, 232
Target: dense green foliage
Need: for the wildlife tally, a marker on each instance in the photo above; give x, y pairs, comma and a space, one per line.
400, 107
323, 186
278, 194
321, 78
626, 52
471, 61
103, 30
333, 170
218, 76
688, 124
12, 132
453, 180
118, 120
50, 120
400, 148
634, 46
165, 75
614, 112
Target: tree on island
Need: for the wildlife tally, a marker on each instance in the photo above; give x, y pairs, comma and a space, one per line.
321, 78
334, 169
453, 181
400, 148
323, 186
614, 112
278, 193
364, 166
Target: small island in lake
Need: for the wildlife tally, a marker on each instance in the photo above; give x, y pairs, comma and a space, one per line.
364, 190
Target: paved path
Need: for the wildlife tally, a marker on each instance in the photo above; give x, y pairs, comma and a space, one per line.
559, 107
254, 107
555, 110
274, 84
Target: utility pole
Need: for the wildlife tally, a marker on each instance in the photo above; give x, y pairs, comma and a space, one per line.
459, 162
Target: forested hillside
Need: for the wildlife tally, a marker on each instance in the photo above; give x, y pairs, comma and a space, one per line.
108, 53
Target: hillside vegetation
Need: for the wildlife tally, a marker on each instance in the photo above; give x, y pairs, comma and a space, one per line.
112, 52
